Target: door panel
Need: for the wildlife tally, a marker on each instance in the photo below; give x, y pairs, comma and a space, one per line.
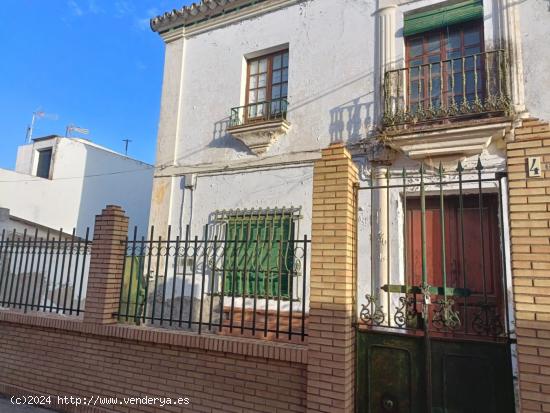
388, 379
467, 376
478, 269
471, 377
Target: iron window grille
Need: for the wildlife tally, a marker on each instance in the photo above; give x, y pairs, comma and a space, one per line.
260, 259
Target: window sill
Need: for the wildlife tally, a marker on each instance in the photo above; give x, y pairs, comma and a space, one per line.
259, 136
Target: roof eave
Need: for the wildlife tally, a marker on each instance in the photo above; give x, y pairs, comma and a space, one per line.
205, 10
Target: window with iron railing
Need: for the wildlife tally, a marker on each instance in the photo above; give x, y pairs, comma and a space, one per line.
439, 74
266, 90
447, 75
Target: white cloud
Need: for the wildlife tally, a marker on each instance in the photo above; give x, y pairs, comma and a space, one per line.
79, 10
93, 7
123, 7
75, 8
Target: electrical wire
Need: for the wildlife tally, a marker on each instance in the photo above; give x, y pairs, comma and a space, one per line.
241, 164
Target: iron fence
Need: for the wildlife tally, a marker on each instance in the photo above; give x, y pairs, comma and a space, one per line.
438, 258
249, 283
258, 112
47, 274
459, 87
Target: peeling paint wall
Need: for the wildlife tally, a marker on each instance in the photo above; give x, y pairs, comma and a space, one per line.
332, 89
330, 86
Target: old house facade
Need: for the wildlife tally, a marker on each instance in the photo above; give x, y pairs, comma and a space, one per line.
427, 96
350, 212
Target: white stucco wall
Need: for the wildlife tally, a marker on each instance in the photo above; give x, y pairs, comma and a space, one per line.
334, 58
535, 32
85, 178
330, 86
46, 202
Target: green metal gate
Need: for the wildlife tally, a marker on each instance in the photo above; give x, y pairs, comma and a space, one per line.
433, 335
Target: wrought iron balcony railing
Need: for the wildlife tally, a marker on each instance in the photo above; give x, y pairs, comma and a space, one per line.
465, 86
258, 112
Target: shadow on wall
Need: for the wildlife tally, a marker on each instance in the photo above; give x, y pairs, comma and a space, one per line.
351, 121
222, 139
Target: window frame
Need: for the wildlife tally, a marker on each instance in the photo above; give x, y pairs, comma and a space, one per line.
269, 83
443, 53
39, 153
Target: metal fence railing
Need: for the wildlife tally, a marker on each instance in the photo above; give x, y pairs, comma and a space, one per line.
258, 112
439, 263
245, 284
453, 88
44, 273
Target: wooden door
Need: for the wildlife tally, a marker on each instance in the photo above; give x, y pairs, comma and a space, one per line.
472, 256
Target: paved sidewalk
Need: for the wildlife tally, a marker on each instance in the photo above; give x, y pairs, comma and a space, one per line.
7, 407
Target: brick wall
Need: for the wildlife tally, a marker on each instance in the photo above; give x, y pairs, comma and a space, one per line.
106, 265
54, 361
530, 238
331, 341
53, 355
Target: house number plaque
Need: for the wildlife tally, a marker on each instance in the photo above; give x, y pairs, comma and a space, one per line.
534, 167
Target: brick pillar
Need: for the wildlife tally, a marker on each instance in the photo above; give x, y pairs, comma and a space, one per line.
331, 341
530, 241
106, 264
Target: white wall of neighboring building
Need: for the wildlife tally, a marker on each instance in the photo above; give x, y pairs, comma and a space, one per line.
40, 200
84, 178
535, 32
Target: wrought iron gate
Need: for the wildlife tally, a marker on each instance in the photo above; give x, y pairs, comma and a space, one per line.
434, 334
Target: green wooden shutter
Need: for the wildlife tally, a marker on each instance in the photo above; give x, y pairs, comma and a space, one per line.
444, 16
263, 254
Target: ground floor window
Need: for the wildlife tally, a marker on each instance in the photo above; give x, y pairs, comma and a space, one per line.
259, 253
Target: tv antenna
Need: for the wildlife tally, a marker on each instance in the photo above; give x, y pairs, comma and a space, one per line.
38, 114
126, 142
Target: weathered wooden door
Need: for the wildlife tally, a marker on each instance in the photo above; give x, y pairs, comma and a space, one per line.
472, 253
434, 338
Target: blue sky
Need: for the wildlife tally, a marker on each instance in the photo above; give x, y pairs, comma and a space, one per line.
93, 63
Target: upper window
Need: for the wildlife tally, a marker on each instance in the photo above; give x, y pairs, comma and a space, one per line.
44, 163
448, 75
267, 86
451, 54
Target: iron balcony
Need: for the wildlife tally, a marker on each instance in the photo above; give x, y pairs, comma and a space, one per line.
275, 109
465, 87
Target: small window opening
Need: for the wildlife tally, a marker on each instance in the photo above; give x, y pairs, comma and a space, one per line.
44, 163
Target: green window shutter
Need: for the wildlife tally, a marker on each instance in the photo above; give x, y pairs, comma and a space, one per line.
263, 255
442, 17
